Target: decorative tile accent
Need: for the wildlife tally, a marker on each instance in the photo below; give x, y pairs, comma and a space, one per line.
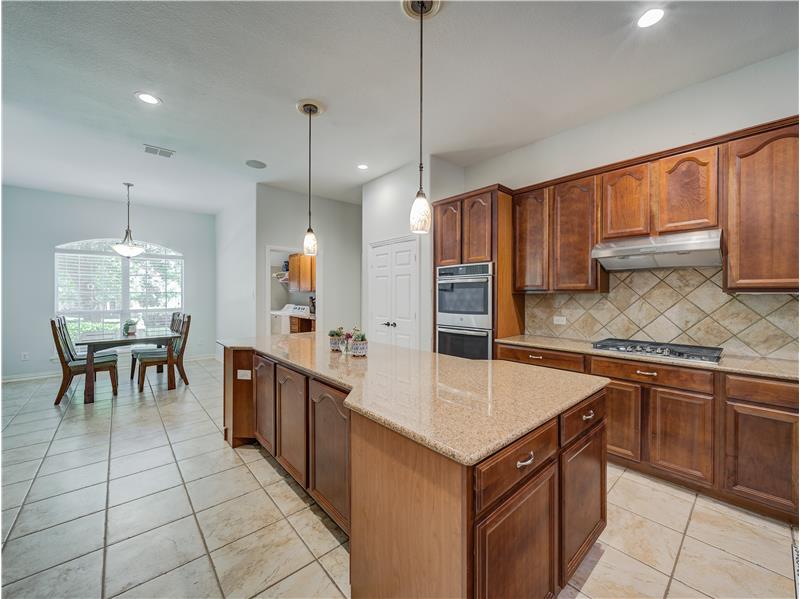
685, 305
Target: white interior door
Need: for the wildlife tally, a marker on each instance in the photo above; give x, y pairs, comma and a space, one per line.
393, 293
380, 293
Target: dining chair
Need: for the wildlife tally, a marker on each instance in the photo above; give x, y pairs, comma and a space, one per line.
71, 366
80, 353
158, 357
174, 326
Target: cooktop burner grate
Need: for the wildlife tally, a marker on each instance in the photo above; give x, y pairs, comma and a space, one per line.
661, 350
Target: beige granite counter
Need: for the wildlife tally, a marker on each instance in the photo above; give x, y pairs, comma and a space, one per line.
463, 409
771, 367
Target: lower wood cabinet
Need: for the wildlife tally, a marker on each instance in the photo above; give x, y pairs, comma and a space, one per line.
624, 419
583, 498
510, 564
264, 398
291, 418
329, 451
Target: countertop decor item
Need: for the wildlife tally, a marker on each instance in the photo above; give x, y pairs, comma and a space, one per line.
335, 336
359, 345
129, 327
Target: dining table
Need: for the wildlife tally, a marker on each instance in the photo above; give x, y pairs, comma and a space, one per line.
95, 342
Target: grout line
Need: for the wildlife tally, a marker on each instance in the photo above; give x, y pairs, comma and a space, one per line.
680, 548
108, 494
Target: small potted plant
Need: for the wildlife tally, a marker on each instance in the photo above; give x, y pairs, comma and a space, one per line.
129, 327
335, 337
359, 342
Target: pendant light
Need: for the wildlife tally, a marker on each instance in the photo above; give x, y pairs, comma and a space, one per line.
127, 248
420, 218
310, 240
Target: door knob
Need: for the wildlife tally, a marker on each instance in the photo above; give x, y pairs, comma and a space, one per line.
394, 324
386, 324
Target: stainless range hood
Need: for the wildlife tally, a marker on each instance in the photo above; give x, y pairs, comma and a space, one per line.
695, 248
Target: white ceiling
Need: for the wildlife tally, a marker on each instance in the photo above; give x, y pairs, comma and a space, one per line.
499, 75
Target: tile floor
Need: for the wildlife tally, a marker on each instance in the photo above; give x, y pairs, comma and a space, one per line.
141, 497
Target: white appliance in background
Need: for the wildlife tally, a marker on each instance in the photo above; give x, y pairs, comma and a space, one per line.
280, 318
393, 293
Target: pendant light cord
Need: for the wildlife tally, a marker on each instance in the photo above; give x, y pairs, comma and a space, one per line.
421, 19
309, 169
129, 205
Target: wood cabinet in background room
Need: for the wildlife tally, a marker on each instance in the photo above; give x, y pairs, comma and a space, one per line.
531, 218
291, 420
626, 202
302, 273
447, 233
686, 197
762, 211
264, 394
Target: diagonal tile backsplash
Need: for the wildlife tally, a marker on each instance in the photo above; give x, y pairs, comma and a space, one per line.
684, 305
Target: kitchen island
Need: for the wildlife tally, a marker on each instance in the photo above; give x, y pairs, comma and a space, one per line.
453, 477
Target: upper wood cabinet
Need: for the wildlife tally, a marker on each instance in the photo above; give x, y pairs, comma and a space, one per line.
476, 223
574, 234
626, 202
762, 211
531, 218
291, 417
302, 273
687, 191
447, 233
264, 396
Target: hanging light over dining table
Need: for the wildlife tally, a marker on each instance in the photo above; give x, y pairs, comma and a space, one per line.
127, 248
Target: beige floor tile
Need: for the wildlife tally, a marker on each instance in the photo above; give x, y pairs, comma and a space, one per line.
44, 549
236, 518
194, 580
19, 428
288, 496
649, 542
151, 554
14, 493
23, 454
570, 592
68, 480
135, 517
253, 563
267, 471
62, 508
78, 442
309, 583
25, 439
199, 445
606, 572
217, 488
659, 485
190, 431
318, 531
144, 460
144, 483
337, 565
209, 463
613, 472
20, 472
7, 518
720, 574
80, 577
250, 453
678, 590
73, 459
75, 427
134, 443
655, 504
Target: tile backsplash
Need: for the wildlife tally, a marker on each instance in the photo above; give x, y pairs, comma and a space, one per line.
682, 305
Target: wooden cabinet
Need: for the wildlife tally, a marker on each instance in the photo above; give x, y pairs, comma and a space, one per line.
583, 498
264, 396
291, 422
624, 419
516, 546
301, 325
761, 194
574, 235
531, 218
626, 202
329, 451
302, 273
447, 233
687, 191
476, 225
682, 434
540, 357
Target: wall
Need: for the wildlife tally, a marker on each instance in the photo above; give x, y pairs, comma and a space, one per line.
281, 221
35, 221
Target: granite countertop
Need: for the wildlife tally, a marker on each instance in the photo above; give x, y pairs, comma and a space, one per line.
771, 367
463, 409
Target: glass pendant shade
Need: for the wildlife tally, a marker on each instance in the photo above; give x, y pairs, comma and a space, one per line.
310, 243
421, 216
127, 248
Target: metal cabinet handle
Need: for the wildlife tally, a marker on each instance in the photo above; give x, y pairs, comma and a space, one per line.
532, 357
588, 416
528, 462
645, 373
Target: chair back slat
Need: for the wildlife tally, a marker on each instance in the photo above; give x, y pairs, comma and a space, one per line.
175, 323
180, 342
72, 350
59, 343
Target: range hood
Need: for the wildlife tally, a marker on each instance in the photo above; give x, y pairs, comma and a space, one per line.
695, 248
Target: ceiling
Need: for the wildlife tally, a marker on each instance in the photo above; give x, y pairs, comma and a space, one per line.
498, 75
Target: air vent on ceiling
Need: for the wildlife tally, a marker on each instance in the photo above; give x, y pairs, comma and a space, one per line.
156, 151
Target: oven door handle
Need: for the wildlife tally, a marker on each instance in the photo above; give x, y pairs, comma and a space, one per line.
464, 280
464, 332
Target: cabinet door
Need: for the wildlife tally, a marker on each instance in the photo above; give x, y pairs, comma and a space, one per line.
294, 272
477, 224
682, 434
447, 233
574, 234
531, 218
264, 392
516, 546
307, 274
624, 419
329, 451
292, 440
761, 454
762, 214
626, 202
583, 498
687, 191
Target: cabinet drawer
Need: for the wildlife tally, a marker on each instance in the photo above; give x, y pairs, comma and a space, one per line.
501, 471
582, 417
761, 391
541, 357
657, 374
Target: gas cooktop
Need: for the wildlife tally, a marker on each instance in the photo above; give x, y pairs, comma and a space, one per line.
661, 350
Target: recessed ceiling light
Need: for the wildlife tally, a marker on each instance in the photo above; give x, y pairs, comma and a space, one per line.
650, 18
256, 164
362, 167
148, 98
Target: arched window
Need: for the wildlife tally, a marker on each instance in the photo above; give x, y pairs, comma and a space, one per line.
97, 289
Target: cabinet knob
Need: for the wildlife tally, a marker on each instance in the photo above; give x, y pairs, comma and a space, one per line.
588, 416
646, 373
528, 462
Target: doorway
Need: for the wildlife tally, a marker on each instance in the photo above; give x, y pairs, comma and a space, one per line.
291, 291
